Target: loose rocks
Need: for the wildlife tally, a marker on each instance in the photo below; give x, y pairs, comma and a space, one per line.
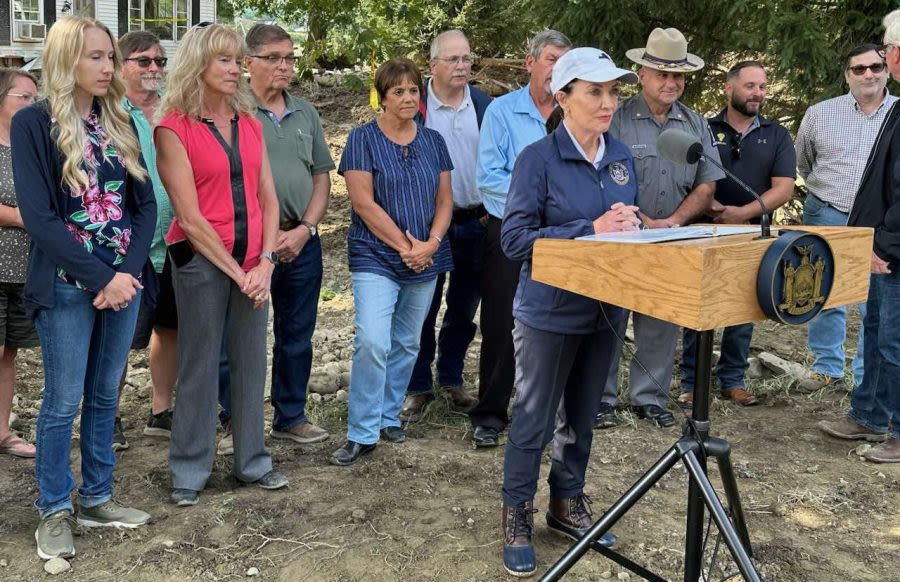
56, 566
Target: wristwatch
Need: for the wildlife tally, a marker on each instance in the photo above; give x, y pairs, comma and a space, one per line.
270, 255
313, 231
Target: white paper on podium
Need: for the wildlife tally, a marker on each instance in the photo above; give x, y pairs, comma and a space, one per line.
655, 235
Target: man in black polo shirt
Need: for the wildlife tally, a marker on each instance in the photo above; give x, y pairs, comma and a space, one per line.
759, 152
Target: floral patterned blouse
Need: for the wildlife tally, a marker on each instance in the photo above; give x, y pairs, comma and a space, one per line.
96, 216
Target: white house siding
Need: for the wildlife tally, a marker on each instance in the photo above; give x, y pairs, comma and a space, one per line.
207, 11
106, 11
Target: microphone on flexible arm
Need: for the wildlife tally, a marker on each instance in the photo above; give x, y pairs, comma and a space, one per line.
683, 148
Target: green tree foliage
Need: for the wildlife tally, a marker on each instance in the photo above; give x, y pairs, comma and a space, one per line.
802, 43
353, 31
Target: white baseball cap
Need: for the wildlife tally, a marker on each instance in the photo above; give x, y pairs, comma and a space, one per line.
588, 64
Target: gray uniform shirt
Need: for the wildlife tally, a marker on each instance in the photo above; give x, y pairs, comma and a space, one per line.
663, 184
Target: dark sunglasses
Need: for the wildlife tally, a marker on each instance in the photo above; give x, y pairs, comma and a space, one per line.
860, 70
144, 62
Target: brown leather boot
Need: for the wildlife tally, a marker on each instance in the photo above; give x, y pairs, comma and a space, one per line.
517, 527
571, 517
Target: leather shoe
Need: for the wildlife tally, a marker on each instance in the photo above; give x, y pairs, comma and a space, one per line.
517, 525
349, 453
462, 400
571, 517
606, 416
657, 414
414, 406
486, 436
739, 395
886, 452
393, 434
686, 401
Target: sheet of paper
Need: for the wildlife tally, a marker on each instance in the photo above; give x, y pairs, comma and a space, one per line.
655, 235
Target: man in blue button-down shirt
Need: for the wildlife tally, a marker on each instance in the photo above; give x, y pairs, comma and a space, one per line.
510, 123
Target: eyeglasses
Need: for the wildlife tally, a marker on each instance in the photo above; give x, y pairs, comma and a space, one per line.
144, 62
465, 59
275, 59
860, 70
27, 97
884, 49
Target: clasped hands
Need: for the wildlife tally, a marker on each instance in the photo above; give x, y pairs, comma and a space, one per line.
619, 218
418, 256
256, 282
118, 293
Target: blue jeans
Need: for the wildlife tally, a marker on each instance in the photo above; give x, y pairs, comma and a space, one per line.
84, 352
295, 299
875, 403
829, 329
388, 323
457, 328
732, 361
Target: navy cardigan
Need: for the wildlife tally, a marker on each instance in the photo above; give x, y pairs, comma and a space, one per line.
37, 171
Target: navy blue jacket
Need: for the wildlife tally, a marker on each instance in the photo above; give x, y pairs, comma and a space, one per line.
877, 203
556, 193
37, 171
480, 100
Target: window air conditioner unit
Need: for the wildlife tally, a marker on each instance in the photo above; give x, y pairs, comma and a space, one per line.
30, 31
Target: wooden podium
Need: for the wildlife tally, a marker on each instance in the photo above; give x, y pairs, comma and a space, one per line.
701, 284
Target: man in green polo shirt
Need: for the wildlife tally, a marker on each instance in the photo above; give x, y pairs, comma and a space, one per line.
300, 164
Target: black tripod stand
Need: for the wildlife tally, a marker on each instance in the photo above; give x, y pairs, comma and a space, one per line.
692, 449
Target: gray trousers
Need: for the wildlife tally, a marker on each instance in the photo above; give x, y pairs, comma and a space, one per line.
654, 341
211, 307
556, 399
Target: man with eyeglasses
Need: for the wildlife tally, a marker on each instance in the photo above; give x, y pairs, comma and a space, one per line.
143, 71
511, 123
760, 153
874, 413
833, 143
453, 108
300, 162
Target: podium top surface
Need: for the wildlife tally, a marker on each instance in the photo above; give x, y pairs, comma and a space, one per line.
698, 283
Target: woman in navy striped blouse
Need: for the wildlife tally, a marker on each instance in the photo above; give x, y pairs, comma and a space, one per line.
398, 177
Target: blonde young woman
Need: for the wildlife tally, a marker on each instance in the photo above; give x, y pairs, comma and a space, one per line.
89, 209
213, 162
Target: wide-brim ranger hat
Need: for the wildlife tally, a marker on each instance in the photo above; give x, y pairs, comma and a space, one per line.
588, 64
666, 50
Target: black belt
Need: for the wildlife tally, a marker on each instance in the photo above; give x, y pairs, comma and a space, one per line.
466, 214
289, 224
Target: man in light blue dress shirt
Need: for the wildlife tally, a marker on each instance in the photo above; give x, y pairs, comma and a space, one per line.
511, 122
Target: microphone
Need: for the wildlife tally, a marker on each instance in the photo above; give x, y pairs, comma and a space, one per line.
683, 148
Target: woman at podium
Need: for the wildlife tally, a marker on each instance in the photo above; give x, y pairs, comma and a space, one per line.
577, 181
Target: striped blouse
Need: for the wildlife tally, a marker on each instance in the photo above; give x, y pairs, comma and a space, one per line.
405, 182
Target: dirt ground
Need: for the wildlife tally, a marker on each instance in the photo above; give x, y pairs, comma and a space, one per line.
428, 509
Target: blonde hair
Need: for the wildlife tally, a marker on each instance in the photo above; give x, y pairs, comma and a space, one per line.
184, 83
63, 49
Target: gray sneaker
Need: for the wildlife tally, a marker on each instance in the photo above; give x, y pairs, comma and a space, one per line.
111, 514
272, 480
54, 536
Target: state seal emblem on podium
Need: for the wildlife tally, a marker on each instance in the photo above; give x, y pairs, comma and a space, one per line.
795, 277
